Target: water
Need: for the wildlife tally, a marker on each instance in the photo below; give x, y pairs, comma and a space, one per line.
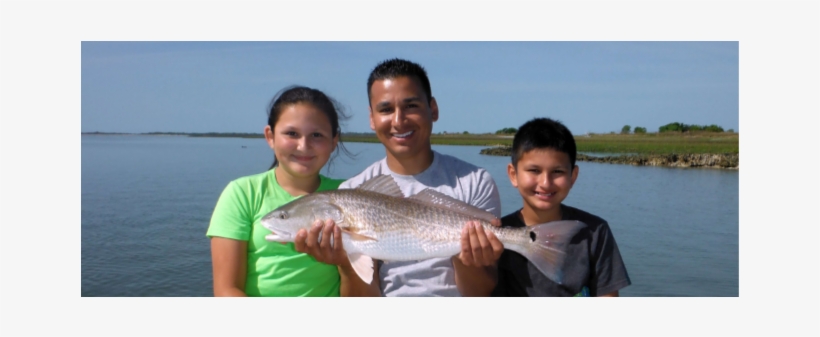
147, 201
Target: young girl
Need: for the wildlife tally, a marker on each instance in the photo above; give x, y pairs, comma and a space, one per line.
303, 130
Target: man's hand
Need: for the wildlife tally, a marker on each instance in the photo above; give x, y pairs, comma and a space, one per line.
322, 250
479, 248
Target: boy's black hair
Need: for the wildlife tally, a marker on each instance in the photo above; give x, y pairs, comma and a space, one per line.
394, 68
543, 133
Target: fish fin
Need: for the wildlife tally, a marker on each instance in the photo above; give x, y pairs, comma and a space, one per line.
548, 244
384, 184
356, 236
363, 265
437, 199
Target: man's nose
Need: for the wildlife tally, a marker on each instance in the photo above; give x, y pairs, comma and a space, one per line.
399, 117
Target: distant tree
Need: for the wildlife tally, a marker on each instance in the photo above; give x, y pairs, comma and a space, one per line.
625, 129
466, 133
731, 131
713, 128
680, 127
639, 129
506, 131
672, 127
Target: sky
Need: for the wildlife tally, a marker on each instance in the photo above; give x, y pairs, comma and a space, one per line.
480, 86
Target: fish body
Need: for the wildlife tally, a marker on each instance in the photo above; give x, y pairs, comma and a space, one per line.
378, 222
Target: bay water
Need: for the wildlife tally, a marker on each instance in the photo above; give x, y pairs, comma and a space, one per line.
147, 201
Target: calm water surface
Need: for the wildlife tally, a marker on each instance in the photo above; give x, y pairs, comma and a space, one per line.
147, 201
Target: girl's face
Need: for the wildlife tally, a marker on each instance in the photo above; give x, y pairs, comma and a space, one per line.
302, 140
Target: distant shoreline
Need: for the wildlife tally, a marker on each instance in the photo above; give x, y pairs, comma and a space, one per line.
659, 149
730, 161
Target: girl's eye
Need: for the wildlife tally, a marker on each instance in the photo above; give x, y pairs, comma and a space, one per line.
317, 135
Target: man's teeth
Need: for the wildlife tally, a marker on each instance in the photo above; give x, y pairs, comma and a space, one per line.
402, 135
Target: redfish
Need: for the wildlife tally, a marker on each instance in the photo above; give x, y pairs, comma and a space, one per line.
378, 222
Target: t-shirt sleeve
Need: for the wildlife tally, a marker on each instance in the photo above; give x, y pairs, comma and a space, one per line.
232, 217
610, 272
486, 194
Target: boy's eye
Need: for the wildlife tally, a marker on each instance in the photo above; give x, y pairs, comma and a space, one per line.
290, 133
317, 135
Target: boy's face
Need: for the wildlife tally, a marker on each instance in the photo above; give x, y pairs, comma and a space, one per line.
543, 178
401, 117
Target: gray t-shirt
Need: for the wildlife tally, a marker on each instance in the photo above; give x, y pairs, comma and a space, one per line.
453, 177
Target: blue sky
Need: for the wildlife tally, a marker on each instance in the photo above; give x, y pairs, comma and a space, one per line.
480, 86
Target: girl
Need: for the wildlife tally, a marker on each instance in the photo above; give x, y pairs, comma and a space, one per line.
303, 130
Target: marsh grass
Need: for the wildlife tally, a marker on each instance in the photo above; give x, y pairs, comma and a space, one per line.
650, 143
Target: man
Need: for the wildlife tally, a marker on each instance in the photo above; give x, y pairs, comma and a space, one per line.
402, 112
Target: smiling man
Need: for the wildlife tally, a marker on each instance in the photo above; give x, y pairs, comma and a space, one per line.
402, 113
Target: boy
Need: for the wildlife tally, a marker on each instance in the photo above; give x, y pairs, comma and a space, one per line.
543, 170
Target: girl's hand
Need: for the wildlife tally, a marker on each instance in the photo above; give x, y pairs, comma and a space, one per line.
322, 249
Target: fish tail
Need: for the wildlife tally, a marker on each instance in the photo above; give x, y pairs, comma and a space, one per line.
547, 246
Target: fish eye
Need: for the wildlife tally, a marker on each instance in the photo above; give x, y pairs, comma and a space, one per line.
532, 236
283, 215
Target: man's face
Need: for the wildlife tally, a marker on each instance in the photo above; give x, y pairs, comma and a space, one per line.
402, 118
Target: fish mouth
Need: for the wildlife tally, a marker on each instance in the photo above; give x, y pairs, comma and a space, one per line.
279, 237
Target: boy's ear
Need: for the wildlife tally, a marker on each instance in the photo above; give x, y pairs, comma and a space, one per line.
511, 173
574, 174
269, 136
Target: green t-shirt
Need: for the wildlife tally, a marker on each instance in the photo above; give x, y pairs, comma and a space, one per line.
274, 269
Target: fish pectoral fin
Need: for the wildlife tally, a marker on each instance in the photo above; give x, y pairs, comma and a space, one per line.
357, 236
363, 265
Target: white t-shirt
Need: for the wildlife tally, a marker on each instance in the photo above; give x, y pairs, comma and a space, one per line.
450, 176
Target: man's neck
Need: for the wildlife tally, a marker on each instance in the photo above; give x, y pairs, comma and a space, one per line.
410, 166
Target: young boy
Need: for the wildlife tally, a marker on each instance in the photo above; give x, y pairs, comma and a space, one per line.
543, 170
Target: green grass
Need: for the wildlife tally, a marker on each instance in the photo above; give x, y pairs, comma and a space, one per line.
651, 143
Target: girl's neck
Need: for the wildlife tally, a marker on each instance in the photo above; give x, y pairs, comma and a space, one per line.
532, 217
296, 186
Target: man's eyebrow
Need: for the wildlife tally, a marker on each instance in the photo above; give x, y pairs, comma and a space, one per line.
382, 104
385, 104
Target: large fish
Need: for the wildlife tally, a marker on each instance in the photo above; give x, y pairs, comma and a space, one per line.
377, 221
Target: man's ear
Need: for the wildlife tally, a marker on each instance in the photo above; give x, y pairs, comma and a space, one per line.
434, 109
372, 124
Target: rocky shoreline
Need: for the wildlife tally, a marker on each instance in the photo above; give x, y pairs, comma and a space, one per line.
705, 160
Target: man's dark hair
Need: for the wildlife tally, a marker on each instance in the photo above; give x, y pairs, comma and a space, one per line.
394, 68
543, 133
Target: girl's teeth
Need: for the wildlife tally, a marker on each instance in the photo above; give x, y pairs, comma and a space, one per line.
402, 135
